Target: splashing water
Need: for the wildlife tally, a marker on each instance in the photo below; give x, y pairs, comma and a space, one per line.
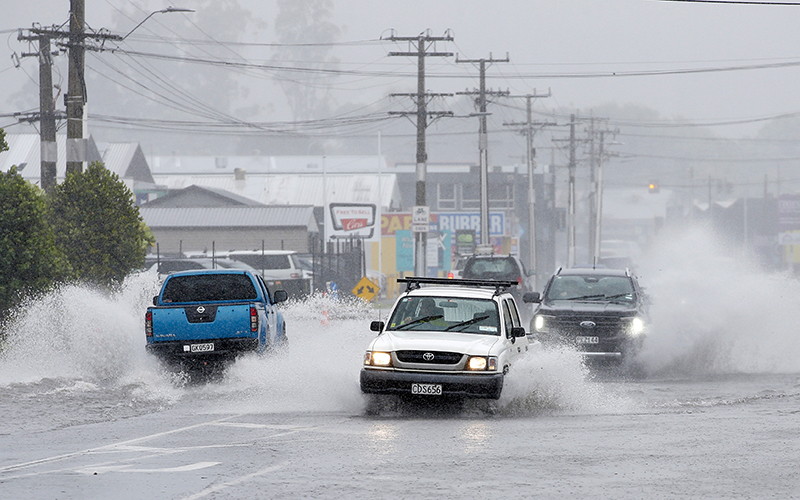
81, 344
715, 312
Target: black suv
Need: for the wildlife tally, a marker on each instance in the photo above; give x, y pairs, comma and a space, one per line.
602, 312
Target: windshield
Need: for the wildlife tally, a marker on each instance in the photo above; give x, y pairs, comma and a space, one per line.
206, 287
591, 288
446, 314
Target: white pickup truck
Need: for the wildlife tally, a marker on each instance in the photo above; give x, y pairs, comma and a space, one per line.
447, 338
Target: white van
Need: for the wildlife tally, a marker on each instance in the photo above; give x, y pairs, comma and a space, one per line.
280, 266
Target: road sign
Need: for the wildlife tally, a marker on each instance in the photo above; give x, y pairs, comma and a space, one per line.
366, 289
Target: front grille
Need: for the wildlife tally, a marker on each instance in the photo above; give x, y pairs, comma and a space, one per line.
430, 357
604, 326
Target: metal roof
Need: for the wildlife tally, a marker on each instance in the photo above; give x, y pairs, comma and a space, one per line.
274, 216
193, 196
164, 165
294, 189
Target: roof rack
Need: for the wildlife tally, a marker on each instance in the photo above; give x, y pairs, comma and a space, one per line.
414, 282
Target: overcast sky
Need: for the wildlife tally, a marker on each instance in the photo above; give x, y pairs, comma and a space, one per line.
566, 46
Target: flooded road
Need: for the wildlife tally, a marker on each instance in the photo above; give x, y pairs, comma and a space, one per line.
88, 414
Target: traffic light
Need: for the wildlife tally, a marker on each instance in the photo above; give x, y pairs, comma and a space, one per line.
653, 187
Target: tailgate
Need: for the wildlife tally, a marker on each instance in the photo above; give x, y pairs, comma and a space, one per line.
201, 322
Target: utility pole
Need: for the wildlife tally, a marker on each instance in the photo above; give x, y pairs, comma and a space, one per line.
597, 186
571, 202
76, 89
530, 158
421, 44
75, 99
483, 139
48, 151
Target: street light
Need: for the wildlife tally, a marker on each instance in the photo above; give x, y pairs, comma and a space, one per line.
162, 11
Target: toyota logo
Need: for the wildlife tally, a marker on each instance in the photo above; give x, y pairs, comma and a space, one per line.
428, 356
588, 324
201, 310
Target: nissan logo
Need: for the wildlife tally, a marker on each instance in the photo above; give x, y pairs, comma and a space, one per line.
201, 310
428, 356
588, 324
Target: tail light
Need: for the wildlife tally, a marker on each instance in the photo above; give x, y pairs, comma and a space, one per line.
148, 324
519, 280
450, 275
253, 319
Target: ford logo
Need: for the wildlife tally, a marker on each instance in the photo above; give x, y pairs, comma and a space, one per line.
201, 310
588, 324
428, 356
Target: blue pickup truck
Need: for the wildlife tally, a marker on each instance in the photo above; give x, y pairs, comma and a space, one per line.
205, 318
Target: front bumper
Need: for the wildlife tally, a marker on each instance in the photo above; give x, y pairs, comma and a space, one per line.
397, 382
611, 348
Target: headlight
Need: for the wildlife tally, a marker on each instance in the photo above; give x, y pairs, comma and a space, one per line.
538, 323
482, 363
378, 359
637, 326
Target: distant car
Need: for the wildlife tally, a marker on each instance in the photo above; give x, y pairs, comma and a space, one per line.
458, 267
601, 312
282, 266
169, 265
451, 338
500, 267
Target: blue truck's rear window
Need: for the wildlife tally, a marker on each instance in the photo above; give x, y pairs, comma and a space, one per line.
205, 287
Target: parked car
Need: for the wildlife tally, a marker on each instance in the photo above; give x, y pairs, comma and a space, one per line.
283, 267
601, 312
164, 266
447, 338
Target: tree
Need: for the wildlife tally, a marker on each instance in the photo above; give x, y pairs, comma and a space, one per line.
30, 261
98, 226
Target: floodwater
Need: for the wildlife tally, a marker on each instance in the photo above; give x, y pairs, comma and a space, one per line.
86, 413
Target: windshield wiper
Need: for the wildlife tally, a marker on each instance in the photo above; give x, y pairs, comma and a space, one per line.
419, 320
466, 323
585, 297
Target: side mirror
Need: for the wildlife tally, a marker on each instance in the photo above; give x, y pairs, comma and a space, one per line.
280, 296
529, 297
376, 326
155, 300
518, 331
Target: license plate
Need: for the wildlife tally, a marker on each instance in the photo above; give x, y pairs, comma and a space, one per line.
426, 389
587, 340
201, 347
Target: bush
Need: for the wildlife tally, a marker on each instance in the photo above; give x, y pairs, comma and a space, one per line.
30, 261
97, 226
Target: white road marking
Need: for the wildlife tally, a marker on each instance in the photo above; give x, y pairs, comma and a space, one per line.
222, 486
109, 447
127, 468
